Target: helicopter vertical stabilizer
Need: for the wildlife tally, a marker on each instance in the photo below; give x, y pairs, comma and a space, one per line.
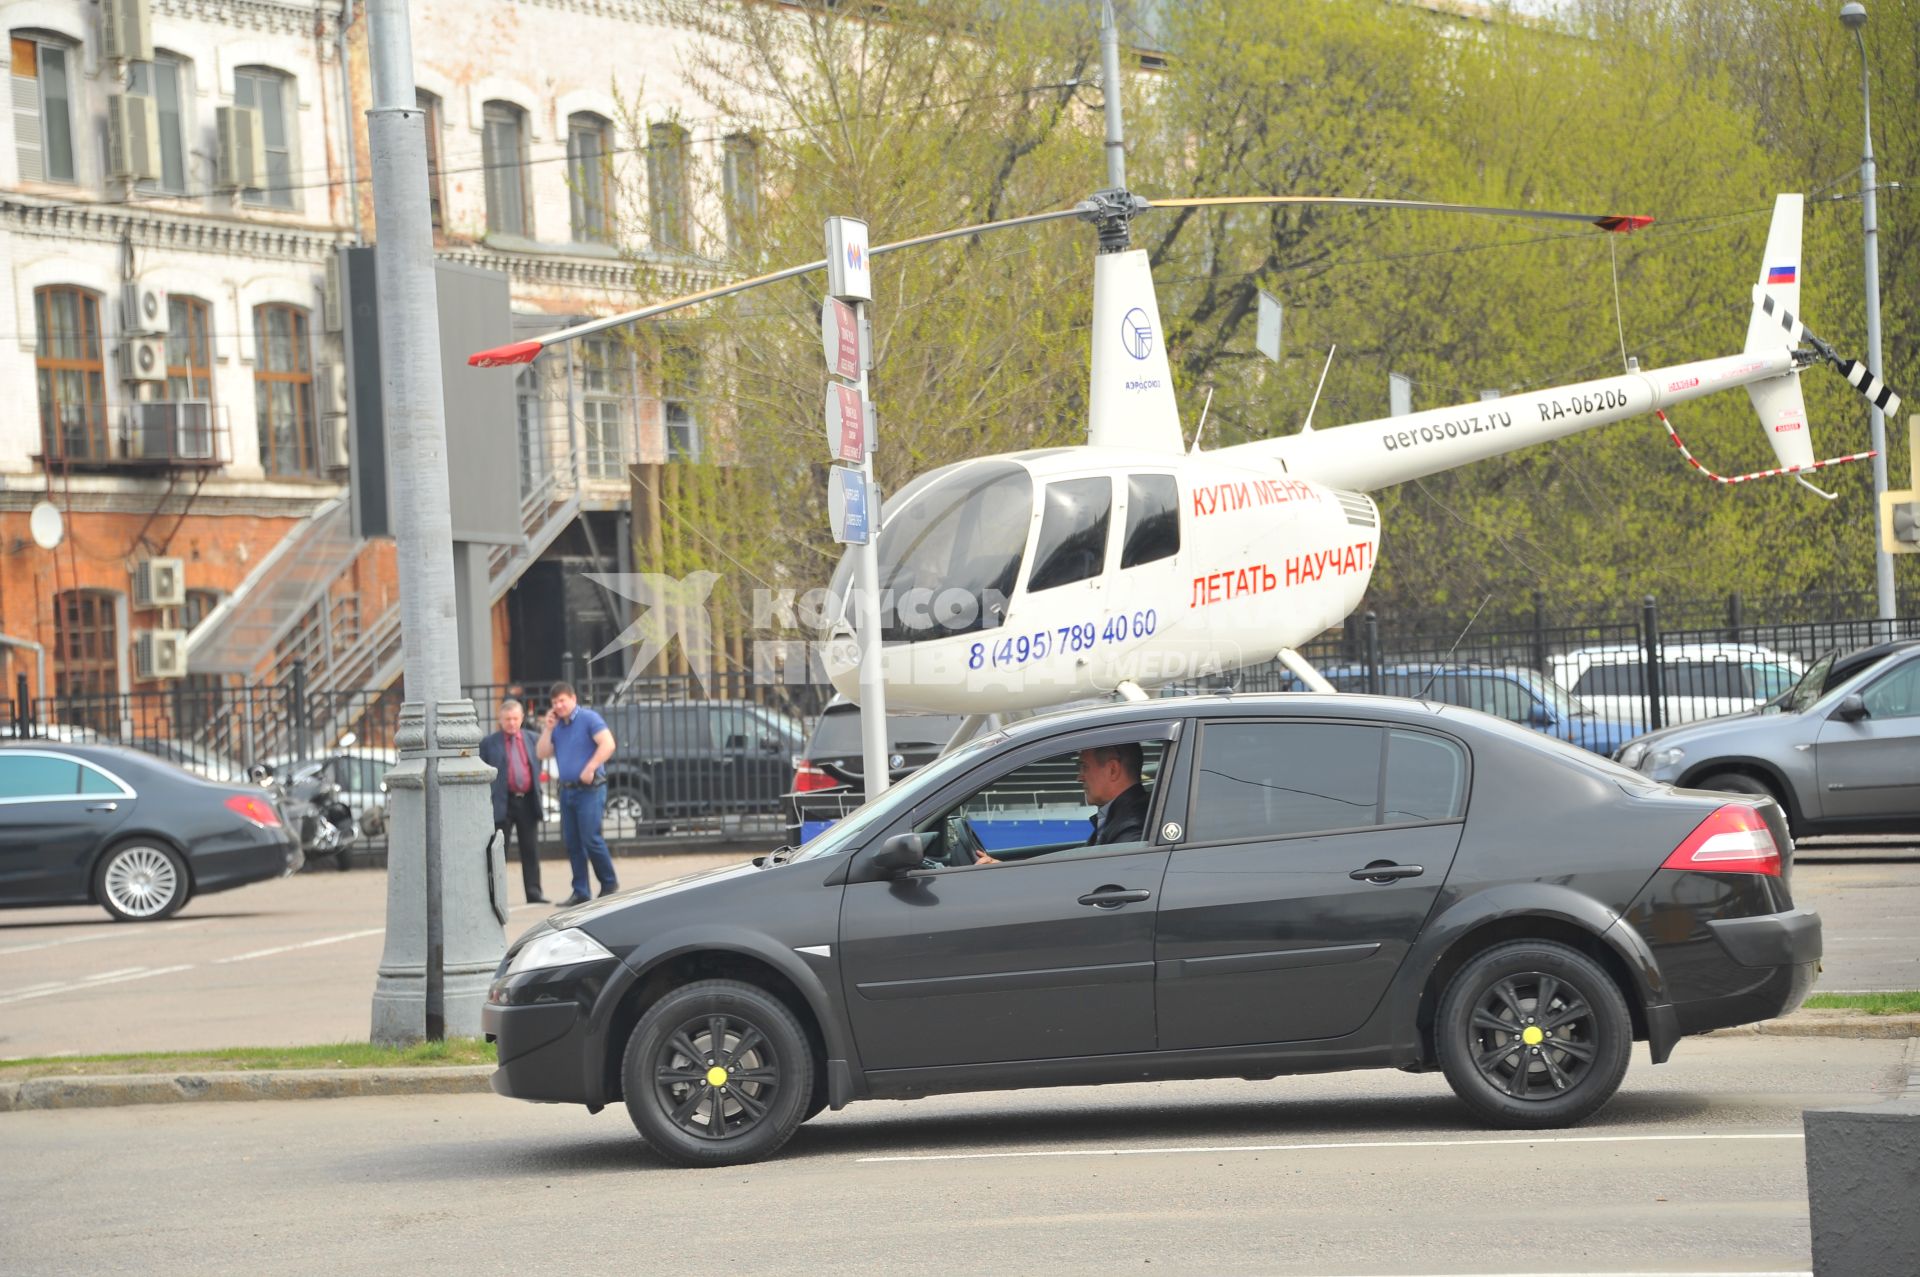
1130, 396
1776, 302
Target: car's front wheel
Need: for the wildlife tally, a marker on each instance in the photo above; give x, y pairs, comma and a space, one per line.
1533, 1034
717, 1073
141, 882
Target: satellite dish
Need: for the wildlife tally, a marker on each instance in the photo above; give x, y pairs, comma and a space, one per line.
47, 526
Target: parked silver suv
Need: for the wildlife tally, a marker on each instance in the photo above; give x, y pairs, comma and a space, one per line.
1839, 750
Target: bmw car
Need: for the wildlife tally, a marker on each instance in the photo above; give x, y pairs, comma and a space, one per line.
1212, 886
134, 834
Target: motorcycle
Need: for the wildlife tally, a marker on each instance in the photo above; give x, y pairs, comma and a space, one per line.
310, 799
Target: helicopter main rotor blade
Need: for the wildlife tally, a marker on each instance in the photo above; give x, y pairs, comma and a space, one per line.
523, 352
1618, 223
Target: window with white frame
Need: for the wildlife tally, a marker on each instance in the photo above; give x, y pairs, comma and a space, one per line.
588, 144
503, 147
44, 71
679, 389
270, 92
165, 81
667, 186
600, 387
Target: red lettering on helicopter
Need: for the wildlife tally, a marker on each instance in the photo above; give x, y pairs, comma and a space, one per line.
1226, 498
1304, 569
1684, 383
1260, 578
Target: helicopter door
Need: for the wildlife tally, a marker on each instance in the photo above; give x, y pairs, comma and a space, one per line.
1143, 592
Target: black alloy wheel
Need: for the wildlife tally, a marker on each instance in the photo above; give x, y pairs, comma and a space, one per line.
1533, 1034
717, 1073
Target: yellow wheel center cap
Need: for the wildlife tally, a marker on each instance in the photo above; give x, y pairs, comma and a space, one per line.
1531, 1035
717, 1076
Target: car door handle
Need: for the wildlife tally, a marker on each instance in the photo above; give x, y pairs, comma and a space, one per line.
1112, 897
1386, 871
103, 806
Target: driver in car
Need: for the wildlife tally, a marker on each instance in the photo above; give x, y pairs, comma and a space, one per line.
1110, 778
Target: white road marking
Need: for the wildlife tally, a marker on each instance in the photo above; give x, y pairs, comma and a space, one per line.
29, 988
118, 933
305, 944
1517, 1142
95, 981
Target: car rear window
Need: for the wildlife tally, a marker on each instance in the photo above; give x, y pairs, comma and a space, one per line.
1426, 778
1274, 780
38, 776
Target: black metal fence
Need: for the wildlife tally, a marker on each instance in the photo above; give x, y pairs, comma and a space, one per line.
711, 761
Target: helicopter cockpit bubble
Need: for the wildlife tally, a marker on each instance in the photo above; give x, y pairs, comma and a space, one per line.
951, 546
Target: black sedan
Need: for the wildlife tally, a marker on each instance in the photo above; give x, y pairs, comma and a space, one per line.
1208, 887
132, 833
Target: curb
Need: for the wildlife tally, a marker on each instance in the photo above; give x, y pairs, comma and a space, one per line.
262, 1084
1825, 1023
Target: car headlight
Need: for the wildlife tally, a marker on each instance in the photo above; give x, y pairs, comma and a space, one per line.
1662, 759
557, 949
1631, 755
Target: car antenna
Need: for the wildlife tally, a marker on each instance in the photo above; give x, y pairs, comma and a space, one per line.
1450, 651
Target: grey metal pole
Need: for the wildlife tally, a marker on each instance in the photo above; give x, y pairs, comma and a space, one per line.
1110, 88
874, 740
438, 788
1854, 18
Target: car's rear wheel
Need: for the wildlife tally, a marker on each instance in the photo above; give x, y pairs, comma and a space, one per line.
1741, 783
141, 881
1533, 1034
717, 1073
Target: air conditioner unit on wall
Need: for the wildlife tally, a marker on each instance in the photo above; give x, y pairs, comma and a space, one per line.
143, 358
133, 137
126, 30
171, 430
160, 653
143, 309
160, 582
243, 147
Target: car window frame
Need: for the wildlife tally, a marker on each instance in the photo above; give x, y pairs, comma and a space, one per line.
1386, 727
121, 788
1904, 669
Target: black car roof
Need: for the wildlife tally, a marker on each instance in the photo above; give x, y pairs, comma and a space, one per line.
1228, 704
1853, 662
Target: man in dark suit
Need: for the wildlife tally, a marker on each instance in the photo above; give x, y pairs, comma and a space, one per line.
1110, 775
516, 790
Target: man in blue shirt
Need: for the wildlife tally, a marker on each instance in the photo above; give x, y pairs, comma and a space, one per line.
578, 741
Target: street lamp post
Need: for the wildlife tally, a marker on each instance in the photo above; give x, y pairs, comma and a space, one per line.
1854, 18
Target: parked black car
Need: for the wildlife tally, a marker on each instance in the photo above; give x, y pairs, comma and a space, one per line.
829, 772
129, 832
1326, 883
679, 760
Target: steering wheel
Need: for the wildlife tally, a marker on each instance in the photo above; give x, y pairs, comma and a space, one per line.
962, 843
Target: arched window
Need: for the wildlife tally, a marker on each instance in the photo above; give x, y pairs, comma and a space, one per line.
589, 140
430, 108
86, 657
44, 70
72, 377
740, 176
270, 92
503, 146
165, 81
667, 185
189, 350
283, 391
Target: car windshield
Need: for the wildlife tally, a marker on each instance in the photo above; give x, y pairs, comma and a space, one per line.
847, 833
1812, 685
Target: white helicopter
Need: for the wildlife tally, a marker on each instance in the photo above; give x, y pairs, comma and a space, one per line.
1014, 582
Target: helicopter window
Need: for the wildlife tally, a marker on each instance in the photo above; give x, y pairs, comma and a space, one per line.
1153, 519
1073, 533
949, 558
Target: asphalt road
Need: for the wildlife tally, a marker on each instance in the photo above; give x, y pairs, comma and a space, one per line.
293, 962
1697, 1165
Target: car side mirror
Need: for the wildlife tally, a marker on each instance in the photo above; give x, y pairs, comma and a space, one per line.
900, 854
1540, 716
1851, 709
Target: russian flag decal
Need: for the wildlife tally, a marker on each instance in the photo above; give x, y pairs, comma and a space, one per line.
1780, 274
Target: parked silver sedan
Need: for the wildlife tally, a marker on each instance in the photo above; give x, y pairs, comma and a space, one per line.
1839, 751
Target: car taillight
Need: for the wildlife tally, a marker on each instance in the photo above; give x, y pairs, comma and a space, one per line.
1734, 840
808, 777
256, 811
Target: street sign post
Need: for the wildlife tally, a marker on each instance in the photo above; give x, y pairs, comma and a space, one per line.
846, 423
853, 499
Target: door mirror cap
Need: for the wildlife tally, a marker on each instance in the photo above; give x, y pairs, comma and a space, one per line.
900, 854
1852, 708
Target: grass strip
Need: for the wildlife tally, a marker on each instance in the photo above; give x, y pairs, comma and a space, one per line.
1905, 1003
334, 1055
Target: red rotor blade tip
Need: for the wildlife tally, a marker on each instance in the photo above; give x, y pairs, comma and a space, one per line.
518, 352
1623, 223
